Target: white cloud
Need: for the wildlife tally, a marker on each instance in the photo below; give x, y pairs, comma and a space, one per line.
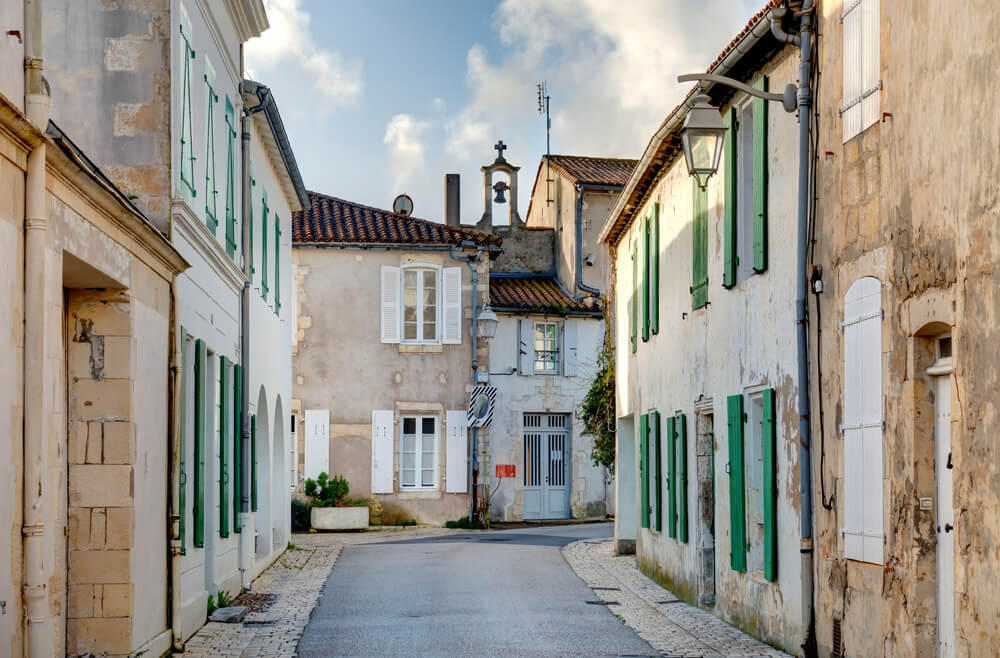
405, 137
287, 49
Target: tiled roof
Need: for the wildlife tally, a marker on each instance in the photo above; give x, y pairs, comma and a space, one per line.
538, 294
332, 220
756, 18
595, 171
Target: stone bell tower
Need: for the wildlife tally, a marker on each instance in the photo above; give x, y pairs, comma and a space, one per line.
493, 193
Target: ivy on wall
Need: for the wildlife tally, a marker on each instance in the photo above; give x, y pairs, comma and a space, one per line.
598, 407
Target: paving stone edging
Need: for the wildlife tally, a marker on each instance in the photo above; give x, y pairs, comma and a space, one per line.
670, 625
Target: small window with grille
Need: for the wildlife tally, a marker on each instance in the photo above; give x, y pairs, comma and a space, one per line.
546, 347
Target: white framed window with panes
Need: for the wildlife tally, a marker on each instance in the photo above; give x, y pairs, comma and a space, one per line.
418, 450
421, 303
547, 346
861, 102
547, 359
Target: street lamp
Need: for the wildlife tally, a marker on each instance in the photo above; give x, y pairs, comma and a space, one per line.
701, 136
487, 321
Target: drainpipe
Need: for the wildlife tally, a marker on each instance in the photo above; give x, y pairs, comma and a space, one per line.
38, 636
473, 262
580, 189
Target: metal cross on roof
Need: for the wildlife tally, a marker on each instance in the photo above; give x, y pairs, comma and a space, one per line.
500, 147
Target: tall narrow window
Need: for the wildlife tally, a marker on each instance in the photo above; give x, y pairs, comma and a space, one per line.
187, 129
253, 184
546, 347
862, 428
862, 82
277, 265
418, 453
263, 249
230, 179
211, 190
420, 302
699, 242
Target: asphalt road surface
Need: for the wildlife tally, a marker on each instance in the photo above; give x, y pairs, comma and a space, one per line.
503, 593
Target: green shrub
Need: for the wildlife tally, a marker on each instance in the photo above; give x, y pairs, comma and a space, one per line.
406, 522
224, 599
464, 523
327, 492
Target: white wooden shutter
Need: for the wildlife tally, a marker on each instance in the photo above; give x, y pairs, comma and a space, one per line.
862, 428
570, 329
525, 347
861, 90
451, 285
390, 322
457, 452
382, 451
317, 442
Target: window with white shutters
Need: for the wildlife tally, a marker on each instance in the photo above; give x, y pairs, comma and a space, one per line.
452, 307
382, 450
421, 304
457, 451
389, 302
862, 82
418, 452
862, 428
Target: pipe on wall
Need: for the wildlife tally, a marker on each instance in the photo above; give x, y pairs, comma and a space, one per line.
581, 189
39, 638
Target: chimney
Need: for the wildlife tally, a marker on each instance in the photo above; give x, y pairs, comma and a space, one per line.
452, 208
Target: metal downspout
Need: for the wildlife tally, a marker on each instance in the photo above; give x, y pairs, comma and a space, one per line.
39, 637
473, 262
580, 285
177, 396
246, 528
801, 309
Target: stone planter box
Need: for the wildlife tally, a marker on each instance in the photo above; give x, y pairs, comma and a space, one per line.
339, 518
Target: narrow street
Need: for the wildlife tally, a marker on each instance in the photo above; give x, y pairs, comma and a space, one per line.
488, 594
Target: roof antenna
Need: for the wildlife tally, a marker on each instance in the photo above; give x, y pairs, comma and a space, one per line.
543, 108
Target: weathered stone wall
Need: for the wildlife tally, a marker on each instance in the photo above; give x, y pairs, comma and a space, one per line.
524, 249
913, 201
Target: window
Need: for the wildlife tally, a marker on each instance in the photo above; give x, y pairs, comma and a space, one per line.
862, 428
277, 265
753, 461
187, 141
230, 179
263, 249
862, 84
546, 347
210, 187
420, 303
744, 193
699, 242
253, 184
418, 453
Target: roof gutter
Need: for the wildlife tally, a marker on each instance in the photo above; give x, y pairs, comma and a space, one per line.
270, 109
531, 311
492, 249
673, 122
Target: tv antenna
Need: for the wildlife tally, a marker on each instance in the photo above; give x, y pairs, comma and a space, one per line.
543, 108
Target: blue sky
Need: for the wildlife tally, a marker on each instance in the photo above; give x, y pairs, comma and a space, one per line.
385, 96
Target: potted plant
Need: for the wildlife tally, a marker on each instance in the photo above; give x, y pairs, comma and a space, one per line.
331, 508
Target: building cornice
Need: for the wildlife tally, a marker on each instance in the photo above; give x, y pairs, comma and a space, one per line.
249, 18
186, 224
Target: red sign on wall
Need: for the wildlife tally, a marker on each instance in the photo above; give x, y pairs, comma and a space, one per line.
505, 470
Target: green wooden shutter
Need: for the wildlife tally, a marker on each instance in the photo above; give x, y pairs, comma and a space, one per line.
187, 129
737, 512
770, 487
237, 445
645, 279
263, 250
182, 476
230, 179
200, 367
671, 477
654, 419
654, 273
760, 179
635, 297
211, 189
682, 478
253, 183
277, 265
699, 243
729, 257
253, 463
644, 468
223, 447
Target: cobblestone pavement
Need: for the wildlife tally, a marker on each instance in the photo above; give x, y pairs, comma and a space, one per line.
667, 623
297, 578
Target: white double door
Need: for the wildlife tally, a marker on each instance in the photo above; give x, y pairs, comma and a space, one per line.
546, 466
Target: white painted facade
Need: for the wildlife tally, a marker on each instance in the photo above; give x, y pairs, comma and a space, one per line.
561, 392
741, 343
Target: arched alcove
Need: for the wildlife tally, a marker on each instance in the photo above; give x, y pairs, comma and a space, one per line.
279, 487
262, 454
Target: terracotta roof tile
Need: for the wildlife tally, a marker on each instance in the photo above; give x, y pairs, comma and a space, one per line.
332, 220
538, 294
595, 171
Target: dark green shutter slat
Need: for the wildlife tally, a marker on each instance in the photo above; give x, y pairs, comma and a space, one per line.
263, 248
671, 477
644, 468
253, 463
253, 183
729, 218
237, 446
182, 477
200, 358
645, 279
682, 478
699, 245
230, 179
760, 179
737, 512
635, 297
770, 487
223, 447
658, 469
654, 272
277, 265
